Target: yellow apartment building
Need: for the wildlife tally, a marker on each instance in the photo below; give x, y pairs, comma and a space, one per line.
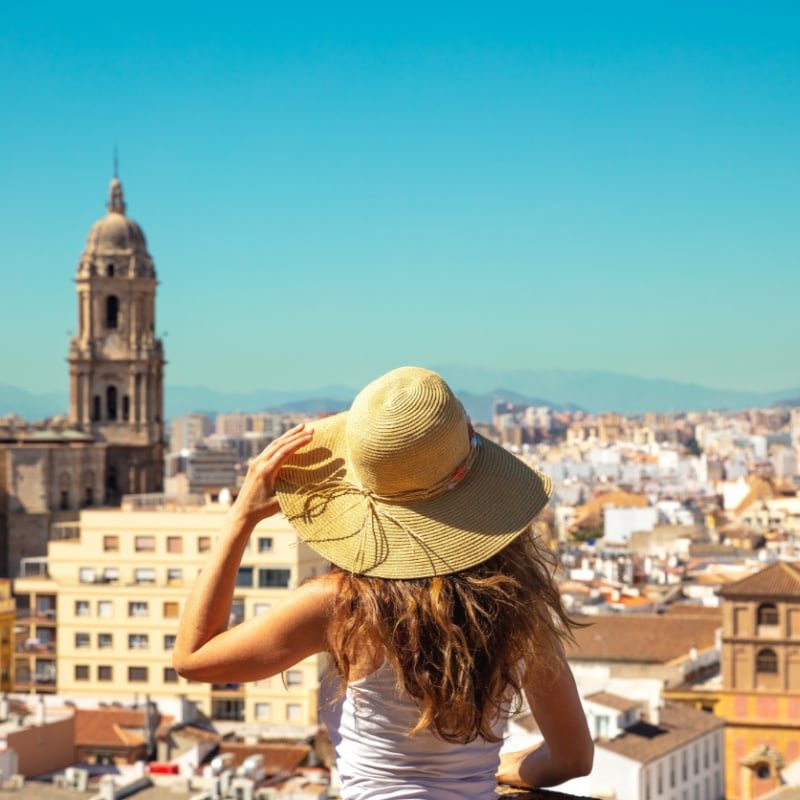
118, 582
7, 636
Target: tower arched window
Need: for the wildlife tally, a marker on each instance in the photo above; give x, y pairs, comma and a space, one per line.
111, 402
111, 478
96, 408
110, 271
112, 311
126, 407
767, 614
766, 662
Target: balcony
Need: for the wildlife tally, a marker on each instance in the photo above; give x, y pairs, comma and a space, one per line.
33, 567
30, 645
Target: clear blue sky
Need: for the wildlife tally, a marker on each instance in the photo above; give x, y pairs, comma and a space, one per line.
331, 190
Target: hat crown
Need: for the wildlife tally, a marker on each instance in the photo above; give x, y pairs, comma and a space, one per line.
406, 431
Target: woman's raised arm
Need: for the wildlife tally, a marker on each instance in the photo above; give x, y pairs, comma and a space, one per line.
205, 649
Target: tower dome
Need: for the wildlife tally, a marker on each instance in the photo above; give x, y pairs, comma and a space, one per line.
116, 237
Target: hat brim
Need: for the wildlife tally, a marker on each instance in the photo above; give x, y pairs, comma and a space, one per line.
494, 503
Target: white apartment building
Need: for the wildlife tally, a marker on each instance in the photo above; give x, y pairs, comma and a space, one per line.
120, 579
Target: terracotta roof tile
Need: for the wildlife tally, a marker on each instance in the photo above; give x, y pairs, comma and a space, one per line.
277, 757
614, 701
642, 638
780, 580
110, 726
678, 724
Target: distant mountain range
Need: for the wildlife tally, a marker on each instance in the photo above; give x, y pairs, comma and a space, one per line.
477, 388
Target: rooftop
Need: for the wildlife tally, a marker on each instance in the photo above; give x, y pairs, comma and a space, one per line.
678, 724
777, 580
642, 638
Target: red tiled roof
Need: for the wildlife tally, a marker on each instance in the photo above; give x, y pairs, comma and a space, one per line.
781, 579
614, 701
642, 638
123, 727
678, 725
277, 757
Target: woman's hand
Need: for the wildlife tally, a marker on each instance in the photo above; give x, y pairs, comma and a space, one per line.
256, 499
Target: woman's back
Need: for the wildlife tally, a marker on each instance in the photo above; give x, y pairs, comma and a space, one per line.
369, 726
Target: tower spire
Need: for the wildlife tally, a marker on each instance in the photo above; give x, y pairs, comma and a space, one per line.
116, 199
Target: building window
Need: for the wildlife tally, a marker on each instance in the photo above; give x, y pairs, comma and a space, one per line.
672, 772
660, 778
105, 609
105, 672
64, 500
86, 574
767, 662
144, 544
126, 407
171, 609
716, 749
705, 753
237, 612
170, 676
96, 408
174, 544
110, 574
696, 757
174, 577
274, 578
294, 677
244, 577
230, 709
684, 766
263, 711
82, 640
111, 402
294, 712
110, 271
138, 608
112, 312
260, 608
203, 544
137, 674
144, 575
264, 544
138, 641
88, 497
81, 672
81, 608
767, 614
169, 641
105, 640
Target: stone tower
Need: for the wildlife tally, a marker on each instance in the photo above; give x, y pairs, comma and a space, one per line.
116, 362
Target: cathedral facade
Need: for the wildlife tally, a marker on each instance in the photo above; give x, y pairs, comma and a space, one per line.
112, 441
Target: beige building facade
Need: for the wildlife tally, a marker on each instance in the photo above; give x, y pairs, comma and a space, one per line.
120, 582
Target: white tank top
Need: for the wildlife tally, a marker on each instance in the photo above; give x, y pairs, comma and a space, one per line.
378, 760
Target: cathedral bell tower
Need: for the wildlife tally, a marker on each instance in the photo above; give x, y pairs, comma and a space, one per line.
116, 362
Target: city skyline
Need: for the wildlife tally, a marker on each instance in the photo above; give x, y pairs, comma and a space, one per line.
329, 195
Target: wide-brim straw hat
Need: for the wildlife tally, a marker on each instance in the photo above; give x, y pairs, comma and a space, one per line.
400, 486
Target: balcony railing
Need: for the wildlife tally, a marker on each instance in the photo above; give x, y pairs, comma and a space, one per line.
27, 645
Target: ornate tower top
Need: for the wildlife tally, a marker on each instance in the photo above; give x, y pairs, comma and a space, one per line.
116, 199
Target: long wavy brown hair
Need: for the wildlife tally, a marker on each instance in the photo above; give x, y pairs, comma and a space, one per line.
462, 645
